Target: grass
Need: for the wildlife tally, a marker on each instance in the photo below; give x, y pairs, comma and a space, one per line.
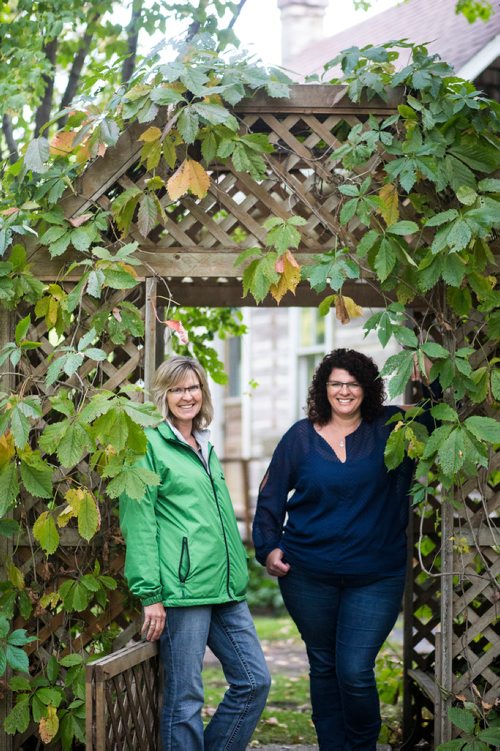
287, 716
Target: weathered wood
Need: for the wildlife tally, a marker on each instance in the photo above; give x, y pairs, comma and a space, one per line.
122, 700
6, 335
426, 683
150, 335
444, 654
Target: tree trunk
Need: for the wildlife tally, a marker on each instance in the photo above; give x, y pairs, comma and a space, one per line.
43, 112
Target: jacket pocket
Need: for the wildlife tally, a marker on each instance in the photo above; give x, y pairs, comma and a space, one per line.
184, 561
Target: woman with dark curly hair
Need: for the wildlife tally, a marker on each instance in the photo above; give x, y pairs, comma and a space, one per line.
341, 553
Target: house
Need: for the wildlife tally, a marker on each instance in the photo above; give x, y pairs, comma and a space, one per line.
270, 368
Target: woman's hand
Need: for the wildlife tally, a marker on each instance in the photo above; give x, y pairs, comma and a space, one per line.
275, 564
154, 621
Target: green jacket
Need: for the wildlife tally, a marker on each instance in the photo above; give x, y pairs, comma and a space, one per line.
183, 544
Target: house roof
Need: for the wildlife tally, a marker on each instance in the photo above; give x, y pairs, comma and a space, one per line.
433, 21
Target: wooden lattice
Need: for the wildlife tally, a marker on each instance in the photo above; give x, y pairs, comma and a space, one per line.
123, 694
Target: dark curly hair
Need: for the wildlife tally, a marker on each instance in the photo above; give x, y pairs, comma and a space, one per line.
362, 368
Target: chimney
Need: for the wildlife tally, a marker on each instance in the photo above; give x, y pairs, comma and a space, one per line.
301, 25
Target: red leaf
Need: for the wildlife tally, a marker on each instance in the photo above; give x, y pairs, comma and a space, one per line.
179, 330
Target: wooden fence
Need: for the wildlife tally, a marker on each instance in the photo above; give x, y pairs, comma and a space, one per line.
122, 700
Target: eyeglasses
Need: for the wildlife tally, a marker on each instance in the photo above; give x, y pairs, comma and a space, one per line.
179, 391
350, 385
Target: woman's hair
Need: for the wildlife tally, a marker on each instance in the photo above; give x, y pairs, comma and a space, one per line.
359, 366
170, 374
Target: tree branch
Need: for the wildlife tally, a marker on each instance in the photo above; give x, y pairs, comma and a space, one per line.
236, 14
9, 139
43, 112
77, 67
132, 36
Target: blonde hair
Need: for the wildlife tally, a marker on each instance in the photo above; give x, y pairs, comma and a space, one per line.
169, 375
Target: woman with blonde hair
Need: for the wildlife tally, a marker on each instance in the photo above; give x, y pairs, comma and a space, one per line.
186, 563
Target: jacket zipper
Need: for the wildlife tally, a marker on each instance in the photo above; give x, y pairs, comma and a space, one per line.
207, 470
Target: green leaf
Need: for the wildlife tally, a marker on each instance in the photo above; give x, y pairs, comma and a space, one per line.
451, 452
188, 124
37, 155
70, 660
164, 95
367, 242
20, 427
462, 719
484, 428
434, 350
444, 412
133, 481
348, 210
9, 486
22, 329
490, 735
74, 595
385, 260
8, 527
19, 683
45, 531
394, 451
442, 218
73, 444
459, 236
36, 476
456, 745
142, 414
283, 236
403, 228
18, 719
51, 696
466, 195
398, 382
148, 214
17, 658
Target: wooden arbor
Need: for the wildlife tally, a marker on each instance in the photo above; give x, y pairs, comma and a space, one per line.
449, 632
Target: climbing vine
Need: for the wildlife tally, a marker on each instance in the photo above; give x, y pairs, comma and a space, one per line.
418, 205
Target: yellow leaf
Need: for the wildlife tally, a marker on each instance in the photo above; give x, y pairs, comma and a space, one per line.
73, 498
49, 599
289, 269
150, 135
389, 210
66, 514
62, 143
52, 311
189, 176
7, 449
15, 576
353, 309
49, 725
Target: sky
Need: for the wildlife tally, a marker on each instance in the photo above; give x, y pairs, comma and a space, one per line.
258, 26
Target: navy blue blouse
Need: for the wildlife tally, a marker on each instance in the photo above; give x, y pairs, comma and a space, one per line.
343, 518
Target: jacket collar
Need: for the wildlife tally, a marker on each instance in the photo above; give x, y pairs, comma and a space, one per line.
202, 436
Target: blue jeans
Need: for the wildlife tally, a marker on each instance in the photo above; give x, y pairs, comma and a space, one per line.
343, 627
229, 632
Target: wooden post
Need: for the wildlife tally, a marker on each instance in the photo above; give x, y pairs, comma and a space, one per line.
6, 335
149, 335
408, 607
444, 641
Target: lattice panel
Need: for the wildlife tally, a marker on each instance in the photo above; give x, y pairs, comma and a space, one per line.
123, 695
476, 605
59, 633
301, 177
